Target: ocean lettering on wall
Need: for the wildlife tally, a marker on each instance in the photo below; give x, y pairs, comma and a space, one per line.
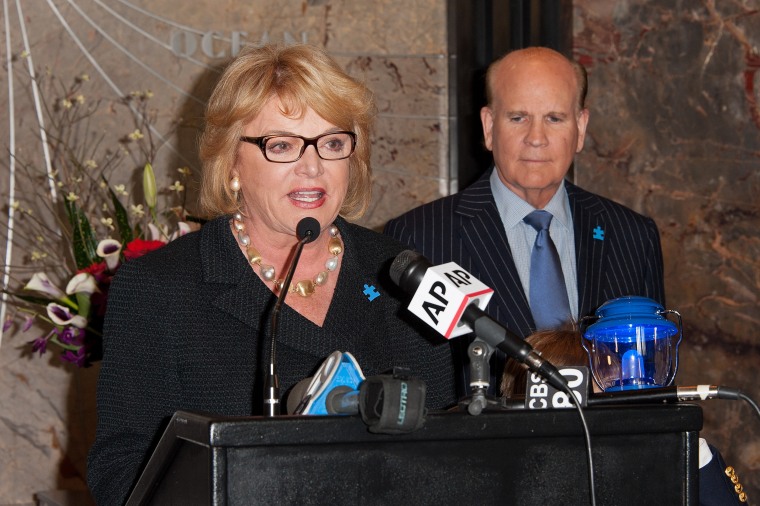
214, 44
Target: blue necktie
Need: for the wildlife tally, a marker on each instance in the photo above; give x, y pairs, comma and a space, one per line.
548, 295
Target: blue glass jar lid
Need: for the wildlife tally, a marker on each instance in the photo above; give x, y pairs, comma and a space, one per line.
625, 317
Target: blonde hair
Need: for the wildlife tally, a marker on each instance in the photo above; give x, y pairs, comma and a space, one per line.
301, 76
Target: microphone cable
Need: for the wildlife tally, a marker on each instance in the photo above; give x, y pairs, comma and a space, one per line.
662, 395
703, 392
749, 401
673, 394
587, 441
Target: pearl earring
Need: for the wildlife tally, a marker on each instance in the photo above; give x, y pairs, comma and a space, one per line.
235, 186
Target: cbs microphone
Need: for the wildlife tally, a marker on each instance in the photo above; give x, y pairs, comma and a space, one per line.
450, 300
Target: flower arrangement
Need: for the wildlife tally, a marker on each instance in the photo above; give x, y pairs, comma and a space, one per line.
76, 227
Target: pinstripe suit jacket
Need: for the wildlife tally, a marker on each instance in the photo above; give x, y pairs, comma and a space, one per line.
617, 250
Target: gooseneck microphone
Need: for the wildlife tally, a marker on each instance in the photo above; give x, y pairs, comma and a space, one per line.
307, 231
408, 270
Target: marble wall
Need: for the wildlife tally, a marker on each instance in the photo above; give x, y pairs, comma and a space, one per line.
675, 134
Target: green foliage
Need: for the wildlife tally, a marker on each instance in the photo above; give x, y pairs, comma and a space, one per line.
83, 243
122, 218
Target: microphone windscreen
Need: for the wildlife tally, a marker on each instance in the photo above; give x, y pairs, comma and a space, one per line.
408, 269
296, 394
391, 405
308, 228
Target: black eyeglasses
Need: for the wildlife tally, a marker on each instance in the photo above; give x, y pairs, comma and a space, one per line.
289, 148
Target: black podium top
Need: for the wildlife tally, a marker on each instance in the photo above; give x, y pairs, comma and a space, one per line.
643, 454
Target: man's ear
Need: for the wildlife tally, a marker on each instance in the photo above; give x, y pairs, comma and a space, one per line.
486, 119
582, 124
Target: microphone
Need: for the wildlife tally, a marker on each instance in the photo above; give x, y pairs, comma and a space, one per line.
665, 394
392, 403
307, 231
296, 396
310, 395
443, 299
388, 403
342, 400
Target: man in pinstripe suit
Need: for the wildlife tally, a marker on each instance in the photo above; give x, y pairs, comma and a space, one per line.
534, 123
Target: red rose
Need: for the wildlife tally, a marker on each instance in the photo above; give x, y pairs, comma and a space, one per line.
95, 269
139, 247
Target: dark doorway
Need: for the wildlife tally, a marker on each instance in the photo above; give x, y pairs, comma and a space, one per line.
479, 32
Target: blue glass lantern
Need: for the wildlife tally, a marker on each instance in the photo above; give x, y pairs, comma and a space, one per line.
632, 345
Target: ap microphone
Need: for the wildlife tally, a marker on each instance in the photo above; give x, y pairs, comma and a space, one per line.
307, 230
442, 298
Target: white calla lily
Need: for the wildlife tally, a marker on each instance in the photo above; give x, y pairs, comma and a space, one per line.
154, 233
61, 315
182, 229
41, 283
109, 250
158, 234
84, 282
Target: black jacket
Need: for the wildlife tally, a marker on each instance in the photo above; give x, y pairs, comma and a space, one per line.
187, 328
617, 252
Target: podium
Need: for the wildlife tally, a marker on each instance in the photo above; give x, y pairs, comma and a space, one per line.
643, 454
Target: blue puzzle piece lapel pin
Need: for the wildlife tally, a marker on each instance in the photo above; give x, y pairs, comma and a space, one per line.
371, 292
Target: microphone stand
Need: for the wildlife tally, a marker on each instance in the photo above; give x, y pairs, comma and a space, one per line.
479, 353
271, 382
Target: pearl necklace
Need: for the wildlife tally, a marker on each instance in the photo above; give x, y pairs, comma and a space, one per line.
305, 287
